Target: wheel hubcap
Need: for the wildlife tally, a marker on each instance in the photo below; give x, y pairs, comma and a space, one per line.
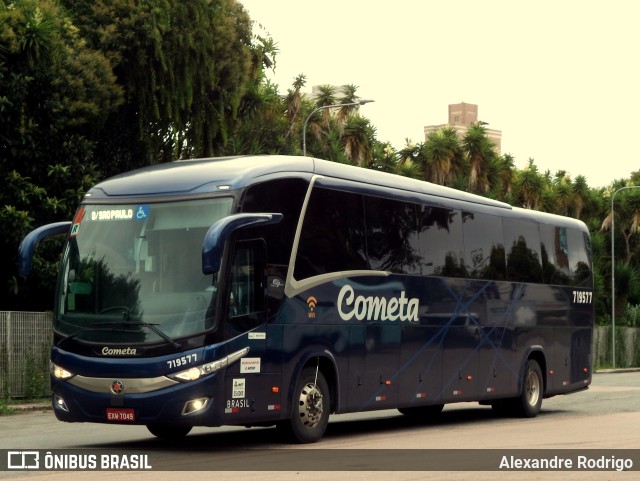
532, 388
310, 407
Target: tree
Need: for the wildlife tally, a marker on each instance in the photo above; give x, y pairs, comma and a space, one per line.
530, 186
506, 173
627, 215
293, 103
444, 156
580, 195
357, 139
480, 152
55, 96
184, 66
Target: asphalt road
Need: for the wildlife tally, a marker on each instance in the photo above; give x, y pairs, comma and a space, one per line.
377, 445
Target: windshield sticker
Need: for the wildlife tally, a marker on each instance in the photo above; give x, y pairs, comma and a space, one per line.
112, 214
142, 212
76, 222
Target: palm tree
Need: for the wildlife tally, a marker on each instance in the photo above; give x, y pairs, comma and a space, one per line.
349, 97
563, 189
480, 152
627, 211
443, 156
530, 186
580, 195
326, 96
357, 139
506, 175
294, 102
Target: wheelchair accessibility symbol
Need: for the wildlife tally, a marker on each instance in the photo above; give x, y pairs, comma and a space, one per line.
142, 212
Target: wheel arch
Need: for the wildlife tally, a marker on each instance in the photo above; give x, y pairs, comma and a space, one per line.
327, 364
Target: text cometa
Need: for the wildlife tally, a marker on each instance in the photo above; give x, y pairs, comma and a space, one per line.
373, 308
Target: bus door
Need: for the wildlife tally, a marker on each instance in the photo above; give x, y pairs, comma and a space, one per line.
374, 358
249, 382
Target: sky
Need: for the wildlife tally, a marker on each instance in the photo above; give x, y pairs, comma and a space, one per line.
559, 78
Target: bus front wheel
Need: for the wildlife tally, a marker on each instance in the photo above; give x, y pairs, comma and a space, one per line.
310, 410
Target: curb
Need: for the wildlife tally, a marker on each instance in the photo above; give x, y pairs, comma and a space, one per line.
30, 407
617, 371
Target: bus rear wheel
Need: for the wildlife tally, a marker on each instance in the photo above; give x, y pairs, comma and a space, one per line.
310, 410
529, 403
167, 431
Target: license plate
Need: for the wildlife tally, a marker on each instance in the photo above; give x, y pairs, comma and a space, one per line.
120, 415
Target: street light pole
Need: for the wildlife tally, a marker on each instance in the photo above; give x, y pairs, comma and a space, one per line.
613, 274
306, 121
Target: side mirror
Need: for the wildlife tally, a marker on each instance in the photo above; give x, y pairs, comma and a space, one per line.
29, 243
219, 233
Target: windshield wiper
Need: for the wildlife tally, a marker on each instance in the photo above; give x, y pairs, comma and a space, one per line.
153, 328
111, 326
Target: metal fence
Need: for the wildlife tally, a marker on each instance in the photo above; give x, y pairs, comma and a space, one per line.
25, 342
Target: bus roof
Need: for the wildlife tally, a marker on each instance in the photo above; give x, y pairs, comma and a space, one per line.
198, 176
219, 174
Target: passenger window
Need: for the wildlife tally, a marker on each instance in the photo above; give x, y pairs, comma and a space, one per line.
484, 251
555, 254
333, 234
579, 255
522, 241
440, 238
392, 236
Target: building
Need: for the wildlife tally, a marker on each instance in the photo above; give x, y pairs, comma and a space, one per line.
461, 116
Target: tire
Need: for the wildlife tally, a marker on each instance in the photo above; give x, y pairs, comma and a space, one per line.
529, 402
309, 410
167, 431
424, 412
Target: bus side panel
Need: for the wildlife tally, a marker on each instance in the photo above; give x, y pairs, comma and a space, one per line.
374, 377
420, 373
253, 384
461, 361
498, 373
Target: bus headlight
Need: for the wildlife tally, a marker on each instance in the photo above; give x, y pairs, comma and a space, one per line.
59, 372
197, 372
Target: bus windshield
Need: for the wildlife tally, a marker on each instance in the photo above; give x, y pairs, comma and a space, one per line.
133, 273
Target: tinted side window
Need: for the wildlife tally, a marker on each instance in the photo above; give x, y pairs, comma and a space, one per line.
284, 196
333, 234
392, 242
579, 255
555, 254
484, 253
440, 238
522, 242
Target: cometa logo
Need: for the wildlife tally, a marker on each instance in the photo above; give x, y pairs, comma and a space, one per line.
312, 302
374, 308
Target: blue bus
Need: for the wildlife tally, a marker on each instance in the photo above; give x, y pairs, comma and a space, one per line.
276, 290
